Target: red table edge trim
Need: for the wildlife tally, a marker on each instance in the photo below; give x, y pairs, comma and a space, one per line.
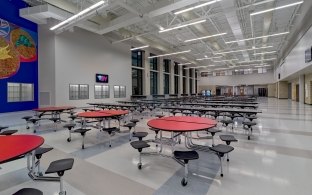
183, 121
182, 130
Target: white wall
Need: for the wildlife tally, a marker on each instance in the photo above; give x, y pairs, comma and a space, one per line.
79, 55
234, 80
295, 61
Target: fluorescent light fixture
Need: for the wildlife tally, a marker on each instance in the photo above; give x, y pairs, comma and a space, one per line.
269, 52
206, 58
92, 7
205, 37
136, 48
276, 8
273, 35
243, 50
170, 54
269, 59
184, 64
226, 60
182, 26
196, 6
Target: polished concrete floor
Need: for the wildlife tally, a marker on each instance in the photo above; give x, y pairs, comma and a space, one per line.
277, 160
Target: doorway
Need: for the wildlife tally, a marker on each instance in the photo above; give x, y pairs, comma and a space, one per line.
297, 93
262, 92
218, 91
289, 91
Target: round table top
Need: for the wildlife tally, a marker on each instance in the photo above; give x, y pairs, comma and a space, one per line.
102, 114
182, 123
53, 108
16, 145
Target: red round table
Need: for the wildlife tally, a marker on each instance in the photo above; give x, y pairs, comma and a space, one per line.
16, 145
182, 123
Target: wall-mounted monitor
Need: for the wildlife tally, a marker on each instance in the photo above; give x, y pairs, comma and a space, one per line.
308, 55
101, 78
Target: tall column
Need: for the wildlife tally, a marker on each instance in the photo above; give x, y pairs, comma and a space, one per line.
146, 74
301, 89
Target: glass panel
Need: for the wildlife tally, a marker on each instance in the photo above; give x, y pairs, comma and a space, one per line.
176, 84
137, 82
166, 84
116, 92
153, 63
153, 83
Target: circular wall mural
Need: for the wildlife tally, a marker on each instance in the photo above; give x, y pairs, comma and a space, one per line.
9, 59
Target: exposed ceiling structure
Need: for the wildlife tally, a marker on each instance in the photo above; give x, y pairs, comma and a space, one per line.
226, 24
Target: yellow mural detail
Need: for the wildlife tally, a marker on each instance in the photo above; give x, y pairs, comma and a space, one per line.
4, 53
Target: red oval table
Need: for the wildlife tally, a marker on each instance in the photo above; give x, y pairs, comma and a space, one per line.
178, 125
14, 146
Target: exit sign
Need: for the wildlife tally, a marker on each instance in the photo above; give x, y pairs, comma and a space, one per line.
101, 78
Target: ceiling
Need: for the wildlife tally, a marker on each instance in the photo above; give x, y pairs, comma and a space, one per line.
138, 22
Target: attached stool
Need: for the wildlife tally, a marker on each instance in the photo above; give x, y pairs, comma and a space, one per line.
73, 117
3, 127
110, 130
130, 126
26, 118
8, 132
139, 145
226, 122
34, 121
220, 150
69, 127
83, 134
140, 135
135, 121
160, 115
251, 118
55, 120
59, 167
228, 139
185, 156
249, 124
28, 191
174, 112
213, 131
38, 154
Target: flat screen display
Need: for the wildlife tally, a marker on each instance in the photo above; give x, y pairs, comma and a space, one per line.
308, 56
101, 78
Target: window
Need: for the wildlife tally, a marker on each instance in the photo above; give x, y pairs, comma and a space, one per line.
154, 82
196, 74
166, 84
184, 85
167, 65
196, 86
137, 58
101, 91
119, 91
137, 81
191, 73
153, 63
176, 68
191, 86
184, 70
78, 92
20, 92
176, 84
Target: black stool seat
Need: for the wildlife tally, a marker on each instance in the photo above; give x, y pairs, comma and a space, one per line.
186, 155
160, 115
228, 139
134, 120
28, 191
3, 127
213, 130
222, 149
69, 126
129, 125
34, 120
227, 121
40, 151
54, 119
139, 145
82, 131
251, 117
8, 132
59, 166
249, 123
73, 117
27, 117
140, 135
110, 129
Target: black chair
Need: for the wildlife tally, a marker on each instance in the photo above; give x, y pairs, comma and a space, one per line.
213, 131
228, 139
38, 154
26, 118
249, 126
59, 167
69, 126
220, 150
8, 132
185, 156
83, 132
140, 135
28, 191
110, 131
139, 145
